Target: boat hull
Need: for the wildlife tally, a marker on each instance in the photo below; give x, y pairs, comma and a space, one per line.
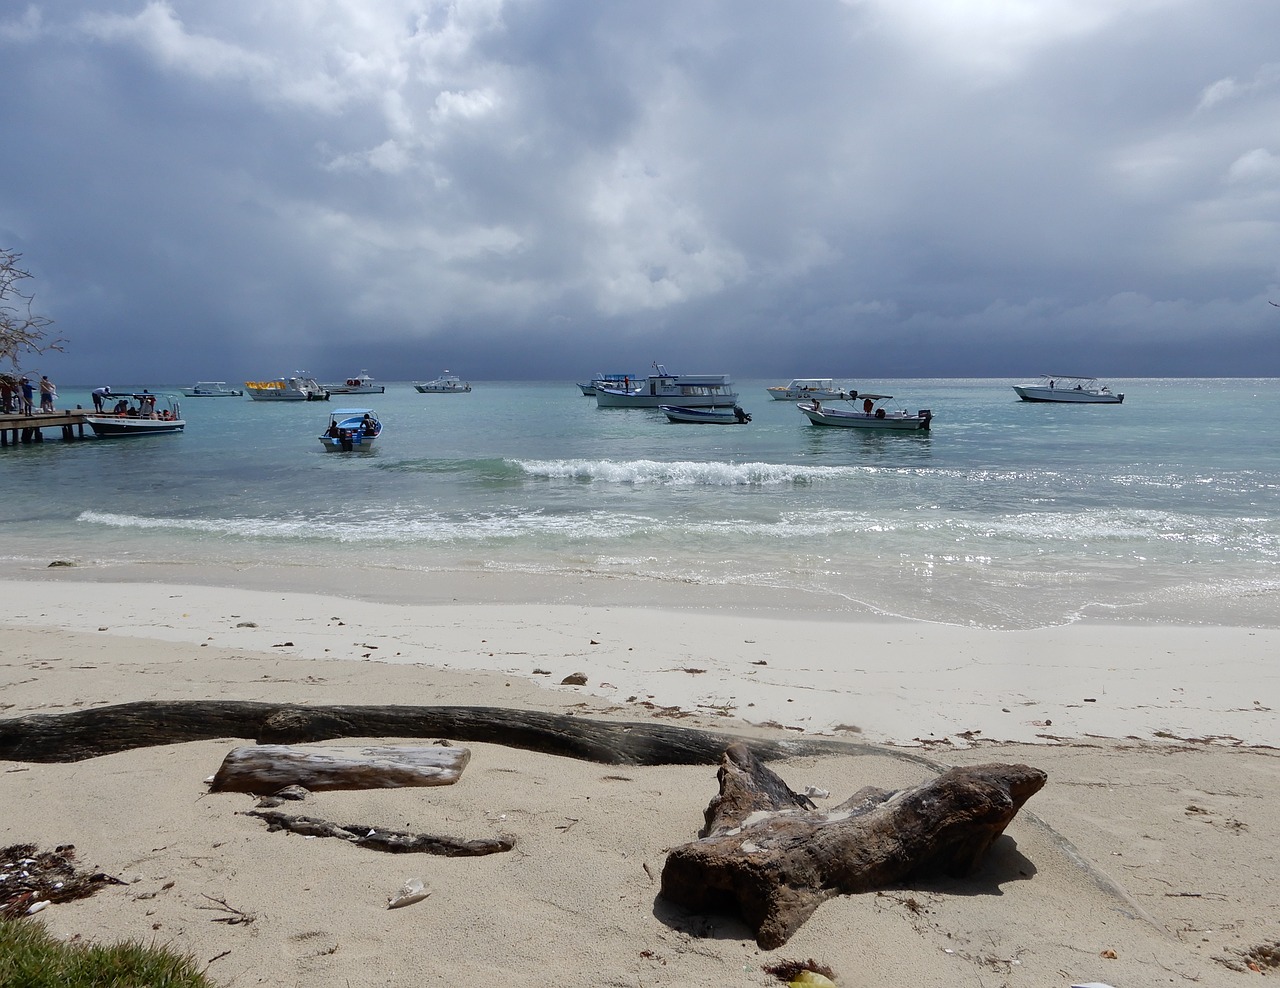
889, 422
353, 444
204, 393
612, 399
360, 389
287, 395
110, 426
1067, 396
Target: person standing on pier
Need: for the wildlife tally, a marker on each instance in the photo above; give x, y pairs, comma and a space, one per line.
100, 395
47, 393
28, 393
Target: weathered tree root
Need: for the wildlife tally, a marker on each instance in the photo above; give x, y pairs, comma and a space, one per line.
768, 858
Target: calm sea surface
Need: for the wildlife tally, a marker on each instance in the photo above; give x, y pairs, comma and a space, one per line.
1006, 515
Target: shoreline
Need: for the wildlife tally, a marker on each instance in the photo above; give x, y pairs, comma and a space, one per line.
891, 682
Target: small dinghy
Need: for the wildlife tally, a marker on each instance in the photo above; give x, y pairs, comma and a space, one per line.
709, 416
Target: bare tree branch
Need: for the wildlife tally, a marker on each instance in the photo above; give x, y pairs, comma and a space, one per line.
21, 330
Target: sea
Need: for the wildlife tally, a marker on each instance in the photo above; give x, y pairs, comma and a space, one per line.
1005, 515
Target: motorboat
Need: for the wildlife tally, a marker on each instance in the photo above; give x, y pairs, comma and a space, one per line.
1067, 389
623, 381
445, 384
662, 388
212, 389
300, 387
140, 414
708, 416
806, 389
361, 384
350, 430
869, 413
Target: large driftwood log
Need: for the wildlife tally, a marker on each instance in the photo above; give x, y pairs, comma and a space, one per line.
268, 768
770, 858
80, 734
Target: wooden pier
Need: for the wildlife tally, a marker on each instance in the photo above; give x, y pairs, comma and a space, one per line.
22, 429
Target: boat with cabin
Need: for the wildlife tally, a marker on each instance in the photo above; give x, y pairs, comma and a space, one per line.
212, 389
663, 388
138, 414
300, 387
445, 384
806, 389
623, 381
869, 413
707, 416
1068, 389
351, 430
361, 384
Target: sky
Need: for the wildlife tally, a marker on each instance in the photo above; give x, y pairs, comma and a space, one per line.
529, 189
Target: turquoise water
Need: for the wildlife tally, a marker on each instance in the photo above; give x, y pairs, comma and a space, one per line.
1007, 514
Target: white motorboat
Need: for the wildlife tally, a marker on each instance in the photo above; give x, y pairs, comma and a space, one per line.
708, 416
1067, 389
212, 389
623, 381
871, 415
140, 414
806, 389
351, 430
445, 384
662, 388
361, 384
300, 387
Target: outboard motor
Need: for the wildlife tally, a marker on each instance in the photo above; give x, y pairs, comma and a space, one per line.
740, 415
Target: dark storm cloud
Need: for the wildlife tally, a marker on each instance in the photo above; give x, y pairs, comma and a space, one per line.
528, 188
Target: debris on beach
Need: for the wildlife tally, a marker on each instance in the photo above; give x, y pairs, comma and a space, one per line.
412, 891
30, 878
807, 972
1259, 960
574, 679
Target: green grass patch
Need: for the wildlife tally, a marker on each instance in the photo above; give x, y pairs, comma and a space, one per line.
31, 958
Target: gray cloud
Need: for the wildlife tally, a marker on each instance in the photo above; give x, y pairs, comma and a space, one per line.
516, 189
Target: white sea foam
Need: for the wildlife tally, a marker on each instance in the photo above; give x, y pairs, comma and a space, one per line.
685, 473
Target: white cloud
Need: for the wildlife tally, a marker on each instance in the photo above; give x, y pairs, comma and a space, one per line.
653, 248
1258, 165
26, 27
999, 36
1265, 81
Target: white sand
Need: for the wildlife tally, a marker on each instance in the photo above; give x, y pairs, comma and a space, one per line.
1187, 830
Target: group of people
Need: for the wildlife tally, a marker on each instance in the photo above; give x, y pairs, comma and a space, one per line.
146, 404
17, 395
368, 426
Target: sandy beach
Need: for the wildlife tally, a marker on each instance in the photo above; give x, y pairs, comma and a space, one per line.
1148, 859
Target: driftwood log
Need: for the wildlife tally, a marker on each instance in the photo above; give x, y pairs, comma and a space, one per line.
767, 855
80, 734
268, 768
394, 841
